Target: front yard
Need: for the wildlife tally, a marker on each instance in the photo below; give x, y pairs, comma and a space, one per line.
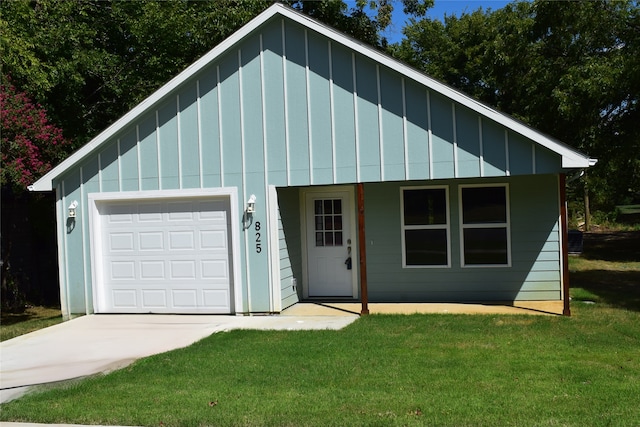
444, 370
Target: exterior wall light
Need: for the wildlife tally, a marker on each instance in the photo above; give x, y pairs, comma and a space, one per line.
72, 209
251, 204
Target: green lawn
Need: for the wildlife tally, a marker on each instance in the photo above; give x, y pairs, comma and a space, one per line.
442, 370
32, 319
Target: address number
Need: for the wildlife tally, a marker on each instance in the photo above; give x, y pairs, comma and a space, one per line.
258, 237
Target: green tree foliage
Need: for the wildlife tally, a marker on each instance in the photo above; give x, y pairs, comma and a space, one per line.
570, 69
88, 62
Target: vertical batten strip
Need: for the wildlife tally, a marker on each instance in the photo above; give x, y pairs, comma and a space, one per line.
119, 163
83, 233
429, 135
380, 138
270, 266
355, 115
506, 151
286, 105
308, 89
265, 157
138, 154
481, 146
199, 125
63, 254
100, 172
455, 141
243, 178
405, 142
533, 158
220, 133
179, 139
158, 151
332, 113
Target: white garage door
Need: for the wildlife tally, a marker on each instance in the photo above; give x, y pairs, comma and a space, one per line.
165, 256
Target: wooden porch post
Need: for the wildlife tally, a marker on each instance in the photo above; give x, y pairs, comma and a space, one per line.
566, 311
362, 250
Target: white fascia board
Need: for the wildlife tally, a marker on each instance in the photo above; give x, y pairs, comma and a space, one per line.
45, 183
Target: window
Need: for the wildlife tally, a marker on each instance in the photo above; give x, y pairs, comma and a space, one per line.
328, 222
485, 225
425, 227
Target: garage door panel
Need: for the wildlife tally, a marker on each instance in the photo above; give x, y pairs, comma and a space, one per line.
166, 257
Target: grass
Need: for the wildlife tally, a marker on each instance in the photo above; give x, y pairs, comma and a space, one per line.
444, 370
32, 319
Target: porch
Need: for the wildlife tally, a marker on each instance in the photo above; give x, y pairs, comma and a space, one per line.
351, 308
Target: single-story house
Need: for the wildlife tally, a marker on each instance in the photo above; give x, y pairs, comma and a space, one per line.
293, 163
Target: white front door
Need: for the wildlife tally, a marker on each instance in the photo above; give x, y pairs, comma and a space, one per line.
331, 243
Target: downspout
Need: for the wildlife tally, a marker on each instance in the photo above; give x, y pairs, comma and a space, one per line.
564, 229
362, 249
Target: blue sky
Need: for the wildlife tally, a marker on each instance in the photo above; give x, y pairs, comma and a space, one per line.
438, 11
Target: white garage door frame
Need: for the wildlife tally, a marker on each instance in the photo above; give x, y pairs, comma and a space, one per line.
96, 232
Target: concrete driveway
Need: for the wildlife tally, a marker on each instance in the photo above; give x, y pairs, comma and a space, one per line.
100, 343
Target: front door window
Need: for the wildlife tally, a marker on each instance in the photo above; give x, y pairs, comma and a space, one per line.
328, 222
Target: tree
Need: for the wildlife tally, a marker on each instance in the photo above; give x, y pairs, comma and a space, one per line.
569, 69
30, 143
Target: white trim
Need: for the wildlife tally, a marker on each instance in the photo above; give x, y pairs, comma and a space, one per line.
158, 151
481, 147
332, 113
61, 210
308, 96
286, 105
139, 161
456, 167
561, 238
245, 234
570, 157
83, 210
179, 139
220, 133
405, 142
199, 125
507, 166
275, 290
119, 163
506, 225
429, 135
446, 226
95, 200
380, 128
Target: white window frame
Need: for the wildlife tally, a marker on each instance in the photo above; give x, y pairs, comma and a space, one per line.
446, 226
506, 225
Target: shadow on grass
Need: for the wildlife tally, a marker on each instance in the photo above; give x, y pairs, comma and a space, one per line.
623, 246
617, 288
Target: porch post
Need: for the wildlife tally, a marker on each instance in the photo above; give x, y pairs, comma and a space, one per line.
362, 250
566, 311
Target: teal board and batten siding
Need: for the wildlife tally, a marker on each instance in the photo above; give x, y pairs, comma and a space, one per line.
535, 249
286, 106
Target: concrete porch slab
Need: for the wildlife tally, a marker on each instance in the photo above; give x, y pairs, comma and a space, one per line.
349, 309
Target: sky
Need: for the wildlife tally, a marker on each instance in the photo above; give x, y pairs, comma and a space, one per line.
438, 11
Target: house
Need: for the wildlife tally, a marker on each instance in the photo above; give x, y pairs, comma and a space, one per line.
294, 163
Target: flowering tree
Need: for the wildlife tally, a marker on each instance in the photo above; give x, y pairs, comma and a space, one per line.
30, 144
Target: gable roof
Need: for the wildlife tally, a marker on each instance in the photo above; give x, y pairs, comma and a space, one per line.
570, 157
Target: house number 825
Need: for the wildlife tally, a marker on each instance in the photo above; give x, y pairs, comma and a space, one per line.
258, 241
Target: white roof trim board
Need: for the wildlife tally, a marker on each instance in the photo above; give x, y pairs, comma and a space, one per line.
570, 157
